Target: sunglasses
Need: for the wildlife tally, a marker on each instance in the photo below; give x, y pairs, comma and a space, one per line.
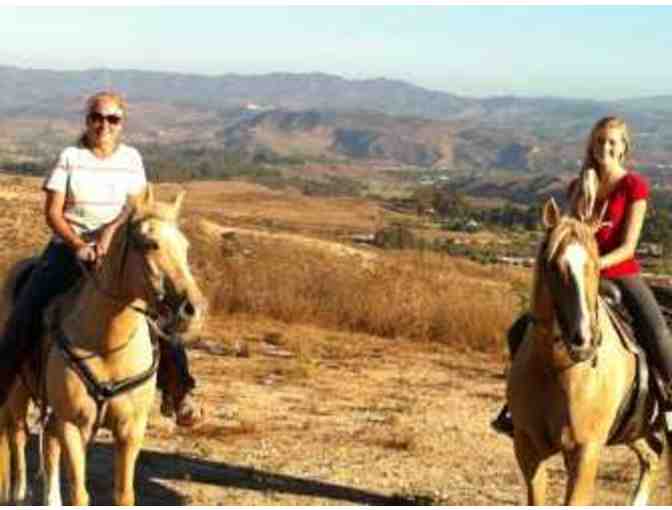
99, 118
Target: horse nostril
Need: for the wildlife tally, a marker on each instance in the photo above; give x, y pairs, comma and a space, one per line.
577, 340
187, 310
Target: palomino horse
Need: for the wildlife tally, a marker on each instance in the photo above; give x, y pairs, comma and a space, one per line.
100, 361
572, 373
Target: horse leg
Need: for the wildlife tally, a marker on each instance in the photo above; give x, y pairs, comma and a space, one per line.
18, 407
75, 453
51, 480
533, 467
128, 437
581, 464
648, 454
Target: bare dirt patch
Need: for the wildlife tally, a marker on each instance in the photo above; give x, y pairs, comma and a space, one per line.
304, 416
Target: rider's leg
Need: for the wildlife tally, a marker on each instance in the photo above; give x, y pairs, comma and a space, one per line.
176, 383
516, 334
650, 327
55, 272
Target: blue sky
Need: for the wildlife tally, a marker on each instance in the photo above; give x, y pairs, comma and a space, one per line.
572, 51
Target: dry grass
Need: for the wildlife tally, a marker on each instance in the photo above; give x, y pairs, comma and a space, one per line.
420, 296
301, 279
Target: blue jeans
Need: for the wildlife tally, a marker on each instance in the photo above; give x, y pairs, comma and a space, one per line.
55, 272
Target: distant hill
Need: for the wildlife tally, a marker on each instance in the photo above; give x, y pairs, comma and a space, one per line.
316, 115
22, 90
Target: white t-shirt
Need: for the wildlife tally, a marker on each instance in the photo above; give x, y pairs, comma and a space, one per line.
96, 189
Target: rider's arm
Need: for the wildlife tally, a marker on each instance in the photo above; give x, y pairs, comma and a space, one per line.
633, 229
54, 207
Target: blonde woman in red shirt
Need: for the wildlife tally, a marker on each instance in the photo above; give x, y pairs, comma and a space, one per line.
625, 194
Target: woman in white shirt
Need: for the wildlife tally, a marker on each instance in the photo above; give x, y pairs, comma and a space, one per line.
86, 196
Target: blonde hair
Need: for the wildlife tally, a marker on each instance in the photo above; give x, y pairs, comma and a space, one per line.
92, 101
91, 104
604, 123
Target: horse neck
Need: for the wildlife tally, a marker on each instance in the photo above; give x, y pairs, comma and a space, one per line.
103, 319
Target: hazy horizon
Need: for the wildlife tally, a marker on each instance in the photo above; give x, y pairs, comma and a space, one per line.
577, 52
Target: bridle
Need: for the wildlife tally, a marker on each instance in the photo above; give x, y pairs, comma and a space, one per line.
556, 288
161, 300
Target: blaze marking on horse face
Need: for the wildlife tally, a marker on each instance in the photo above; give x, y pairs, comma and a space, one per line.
576, 258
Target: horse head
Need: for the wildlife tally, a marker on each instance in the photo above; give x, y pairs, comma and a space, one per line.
568, 275
157, 268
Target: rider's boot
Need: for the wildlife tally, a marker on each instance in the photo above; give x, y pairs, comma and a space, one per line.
503, 423
177, 384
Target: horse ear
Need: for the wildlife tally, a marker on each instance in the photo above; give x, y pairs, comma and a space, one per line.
550, 215
177, 205
135, 202
149, 195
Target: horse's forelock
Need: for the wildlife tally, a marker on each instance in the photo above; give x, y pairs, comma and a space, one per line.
567, 231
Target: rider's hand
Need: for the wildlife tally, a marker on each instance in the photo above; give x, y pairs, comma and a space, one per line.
86, 253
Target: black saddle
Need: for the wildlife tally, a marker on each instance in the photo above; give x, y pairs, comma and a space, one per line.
639, 408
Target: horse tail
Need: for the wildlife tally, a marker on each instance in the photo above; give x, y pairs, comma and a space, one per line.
5, 458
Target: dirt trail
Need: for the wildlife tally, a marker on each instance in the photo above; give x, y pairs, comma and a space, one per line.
333, 248
301, 422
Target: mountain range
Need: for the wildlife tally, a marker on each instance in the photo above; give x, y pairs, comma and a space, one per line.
318, 115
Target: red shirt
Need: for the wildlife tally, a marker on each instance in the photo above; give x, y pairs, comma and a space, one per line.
630, 188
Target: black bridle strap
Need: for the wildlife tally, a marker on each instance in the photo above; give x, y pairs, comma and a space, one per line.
103, 391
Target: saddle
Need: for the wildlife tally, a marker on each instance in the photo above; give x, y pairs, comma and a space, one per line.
639, 408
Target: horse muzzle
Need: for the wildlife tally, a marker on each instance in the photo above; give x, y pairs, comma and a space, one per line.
580, 354
190, 315
581, 348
